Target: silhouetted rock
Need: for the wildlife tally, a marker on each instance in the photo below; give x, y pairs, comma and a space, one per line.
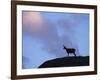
66, 62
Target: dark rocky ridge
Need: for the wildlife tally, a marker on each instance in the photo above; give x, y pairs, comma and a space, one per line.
66, 62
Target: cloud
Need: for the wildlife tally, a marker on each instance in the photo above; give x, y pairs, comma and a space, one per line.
32, 20
53, 33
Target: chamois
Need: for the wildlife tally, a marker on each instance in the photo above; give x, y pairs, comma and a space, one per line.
69, 50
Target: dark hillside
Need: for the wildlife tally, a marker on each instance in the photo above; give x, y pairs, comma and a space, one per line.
66, 62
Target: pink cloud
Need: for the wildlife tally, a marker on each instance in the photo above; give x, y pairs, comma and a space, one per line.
32, 20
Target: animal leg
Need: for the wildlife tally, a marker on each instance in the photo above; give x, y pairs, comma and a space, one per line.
74, 54
68, 54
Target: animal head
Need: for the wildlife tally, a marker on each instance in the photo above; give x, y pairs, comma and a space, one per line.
64, 47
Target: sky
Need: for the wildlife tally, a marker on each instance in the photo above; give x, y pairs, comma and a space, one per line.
45, 33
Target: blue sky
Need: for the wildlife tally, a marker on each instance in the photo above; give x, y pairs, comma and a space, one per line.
45, 33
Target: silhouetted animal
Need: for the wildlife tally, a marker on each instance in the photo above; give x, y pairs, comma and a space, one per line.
69, 50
